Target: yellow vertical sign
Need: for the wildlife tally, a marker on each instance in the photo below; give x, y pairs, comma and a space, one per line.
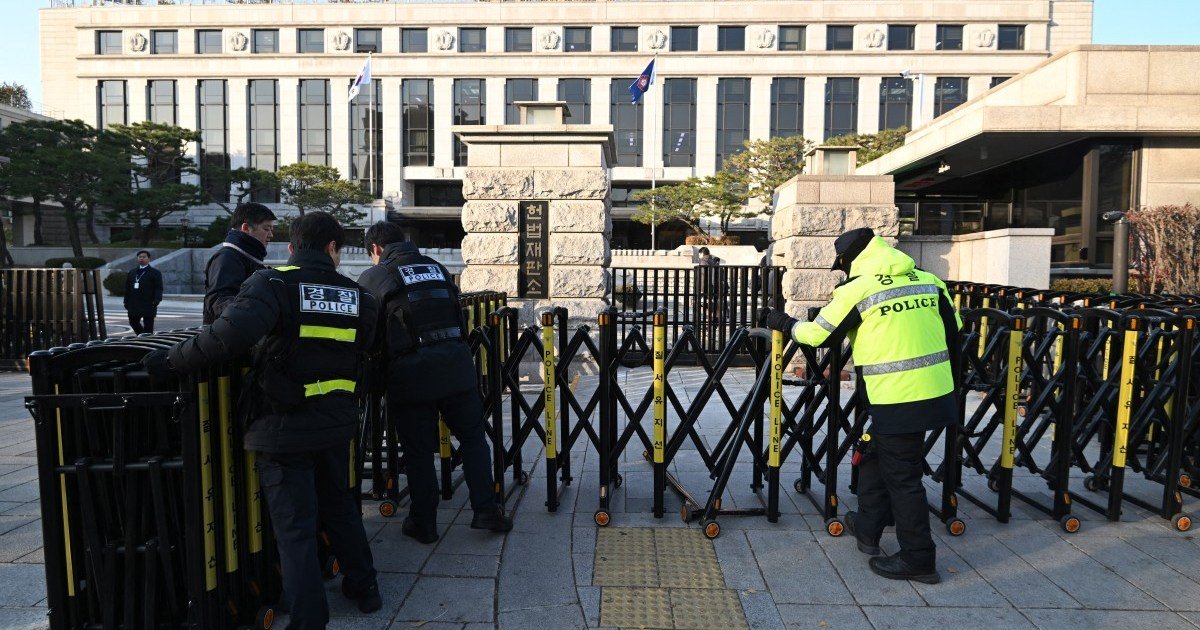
62, 488
776, 398
227, 470
1125, 398
548, 381
206, 489
983, 328
660, 388
1012, 394
443, 438
254, 495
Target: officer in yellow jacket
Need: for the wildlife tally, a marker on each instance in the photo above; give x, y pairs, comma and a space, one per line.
902, 324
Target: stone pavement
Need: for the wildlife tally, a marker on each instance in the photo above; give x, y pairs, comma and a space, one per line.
559, 571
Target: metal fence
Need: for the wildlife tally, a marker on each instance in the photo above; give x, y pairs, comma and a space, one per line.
43, 308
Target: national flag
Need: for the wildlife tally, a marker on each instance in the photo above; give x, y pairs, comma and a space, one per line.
643, 83
363, 78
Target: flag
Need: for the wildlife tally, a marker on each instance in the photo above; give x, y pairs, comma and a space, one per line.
363, 78
643, 83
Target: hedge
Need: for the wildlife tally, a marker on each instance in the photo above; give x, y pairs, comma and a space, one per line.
84, 262
115, 283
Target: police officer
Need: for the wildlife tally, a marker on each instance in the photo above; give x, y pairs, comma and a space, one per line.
901, 323
241, 254
315, 326
429, 370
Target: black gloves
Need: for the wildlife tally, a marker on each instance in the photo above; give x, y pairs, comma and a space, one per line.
157, 364
777, 320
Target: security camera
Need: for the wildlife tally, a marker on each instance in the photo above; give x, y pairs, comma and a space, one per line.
1113, 216
904, 74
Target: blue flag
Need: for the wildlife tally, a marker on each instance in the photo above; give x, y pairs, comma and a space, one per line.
643, 83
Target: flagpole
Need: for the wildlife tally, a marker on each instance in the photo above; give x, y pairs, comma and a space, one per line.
371, 133
654, 169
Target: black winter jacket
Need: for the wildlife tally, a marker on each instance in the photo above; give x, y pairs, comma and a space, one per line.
147, 295
239, 256
255, 314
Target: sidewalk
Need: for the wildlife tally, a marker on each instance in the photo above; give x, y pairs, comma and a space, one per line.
558, 570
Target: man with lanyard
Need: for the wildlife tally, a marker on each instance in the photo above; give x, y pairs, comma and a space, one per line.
430, 371
143, 292
250, 229
315, 326
902, 325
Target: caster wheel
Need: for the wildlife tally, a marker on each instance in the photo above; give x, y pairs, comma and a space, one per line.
1069, 524
1185, 480
994, 485
798, 486
956, 527
387, 508
602, 518
1089, 482
712, 529
688, 512
618, 481
331, 569
834, 527
265, 618
646, 455
1181, 522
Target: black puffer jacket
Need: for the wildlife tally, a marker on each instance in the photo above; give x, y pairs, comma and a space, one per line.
239, 256
256, 314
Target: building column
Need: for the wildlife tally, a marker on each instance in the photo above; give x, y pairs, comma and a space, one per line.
601, 101
185, 116
392, 136
760, 108
706, 125
236, 114
289, 120
339, 126
814, 107
547, 89
443, 118
135, 100
493, 87
868, 104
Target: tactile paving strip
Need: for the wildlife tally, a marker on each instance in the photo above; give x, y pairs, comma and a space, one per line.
704, 609
635, 608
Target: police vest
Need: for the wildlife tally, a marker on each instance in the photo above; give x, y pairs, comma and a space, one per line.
318, 351
423, 308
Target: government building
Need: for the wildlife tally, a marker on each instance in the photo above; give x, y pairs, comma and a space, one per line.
266, 83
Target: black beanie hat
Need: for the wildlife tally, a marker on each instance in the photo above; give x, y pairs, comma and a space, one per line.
848, 246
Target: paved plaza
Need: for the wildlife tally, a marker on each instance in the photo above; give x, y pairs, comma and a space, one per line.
558, 570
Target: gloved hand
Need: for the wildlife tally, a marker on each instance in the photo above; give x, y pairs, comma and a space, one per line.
157, 364
777, 320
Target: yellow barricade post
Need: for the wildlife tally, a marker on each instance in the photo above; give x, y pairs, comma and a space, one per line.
1125, 397
658, 457
1012, 401
776, 420
549, 409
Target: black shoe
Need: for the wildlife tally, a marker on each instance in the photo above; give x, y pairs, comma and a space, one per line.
425, 533
896, 568
368, 599
864, 545
494, 520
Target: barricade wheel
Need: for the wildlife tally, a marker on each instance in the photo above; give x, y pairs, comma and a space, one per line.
834, 527
798, 486
994, 484
265, 618
1182, 522
618, 481
331, 568
687, 512
387, 508
602, 518
646, 455
1069, 524
1089, 482
712, 529
956, 527
1185, 480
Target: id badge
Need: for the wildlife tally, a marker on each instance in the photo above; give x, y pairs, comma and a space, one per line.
136, 284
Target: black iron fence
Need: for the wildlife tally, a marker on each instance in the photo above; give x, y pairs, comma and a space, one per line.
43, 308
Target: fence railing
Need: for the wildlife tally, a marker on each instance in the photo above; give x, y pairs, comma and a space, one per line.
44, 308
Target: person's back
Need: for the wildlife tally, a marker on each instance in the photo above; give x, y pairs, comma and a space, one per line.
242, 253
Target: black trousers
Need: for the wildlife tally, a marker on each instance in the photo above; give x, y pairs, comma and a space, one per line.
142, 321
417, 426
303, 490
890, 491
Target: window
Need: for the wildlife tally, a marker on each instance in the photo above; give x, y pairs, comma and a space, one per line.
435, 193
310, 40
684, 38
417, 95
472, 40
1011, 37
679, 122
731, 38
366, 138
518, 40
208, 42
839, 37
110, 102
414, 40
470, 108
626, 118
791, 38
901, 37
623, 192
108, 42
577, 39
624, 39
949, 37
948, 93
314, 121
787, 107
733, 117
841, 106
368, 40
997, 81
264, 130
577, 93
164, 42
214, 152
895, 102
517, 90
265, 40
160, 101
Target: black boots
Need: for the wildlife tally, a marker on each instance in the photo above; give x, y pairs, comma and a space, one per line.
368, 599
869, 547
425, 533
494, 520
897, 568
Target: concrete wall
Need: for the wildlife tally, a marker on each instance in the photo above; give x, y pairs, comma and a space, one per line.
36, 256
1170, 172
1016, 256
685, 256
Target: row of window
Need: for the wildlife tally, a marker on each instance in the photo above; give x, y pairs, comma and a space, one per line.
574, 39
678, 146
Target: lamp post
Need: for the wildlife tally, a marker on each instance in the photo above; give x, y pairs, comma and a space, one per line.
185, 223
1120, 275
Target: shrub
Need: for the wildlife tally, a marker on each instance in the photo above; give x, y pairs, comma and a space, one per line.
84, 262
1165, 248
115, 283
1082, 285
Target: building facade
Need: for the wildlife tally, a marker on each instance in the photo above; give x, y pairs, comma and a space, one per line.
266, 84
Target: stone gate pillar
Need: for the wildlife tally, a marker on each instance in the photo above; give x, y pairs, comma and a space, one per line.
811, 210
537, 212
